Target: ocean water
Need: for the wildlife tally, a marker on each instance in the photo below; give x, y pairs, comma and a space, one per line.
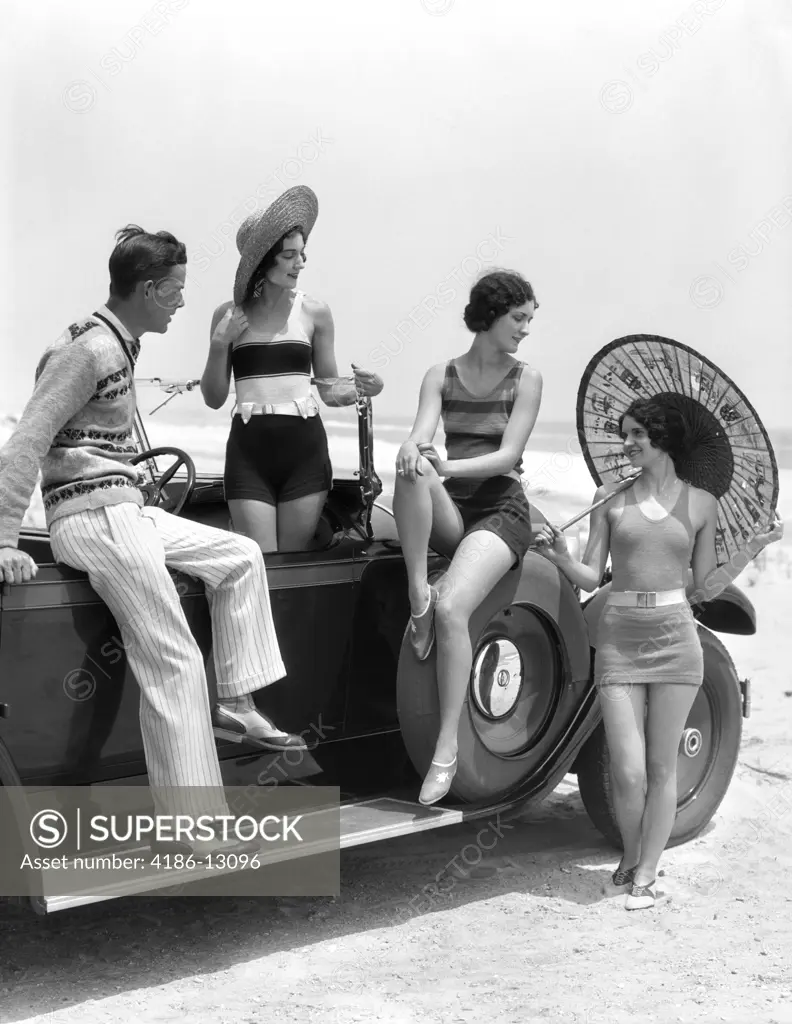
186, 416
555, 475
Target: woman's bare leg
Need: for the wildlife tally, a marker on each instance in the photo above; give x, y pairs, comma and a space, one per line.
479, 562
669, 707
623, 710
424, 514
297, 521
257, 520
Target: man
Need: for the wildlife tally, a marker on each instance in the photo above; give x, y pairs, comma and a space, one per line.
78, 428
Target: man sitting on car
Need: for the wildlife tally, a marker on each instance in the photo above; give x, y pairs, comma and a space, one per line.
78, 429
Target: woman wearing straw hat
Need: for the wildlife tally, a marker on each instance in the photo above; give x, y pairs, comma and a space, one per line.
272, 337
649, 661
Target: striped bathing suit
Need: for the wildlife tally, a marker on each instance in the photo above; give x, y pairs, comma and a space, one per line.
645, 645
474, 426
276, 457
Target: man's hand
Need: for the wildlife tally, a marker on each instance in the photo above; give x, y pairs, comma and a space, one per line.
16, 566
232, 324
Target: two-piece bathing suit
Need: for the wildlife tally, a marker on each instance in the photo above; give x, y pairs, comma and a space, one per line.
277, 447
649, 636
474, 426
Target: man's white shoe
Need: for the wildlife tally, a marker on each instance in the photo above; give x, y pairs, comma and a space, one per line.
248, 725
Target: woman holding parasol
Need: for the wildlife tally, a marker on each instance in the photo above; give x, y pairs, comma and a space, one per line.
649, 660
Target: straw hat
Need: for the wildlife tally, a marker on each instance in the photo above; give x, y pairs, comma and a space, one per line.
261, 230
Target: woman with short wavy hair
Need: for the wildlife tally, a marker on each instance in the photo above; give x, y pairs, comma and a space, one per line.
649, 662
470, 505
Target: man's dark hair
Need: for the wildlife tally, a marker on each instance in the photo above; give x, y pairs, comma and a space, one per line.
141, 256
495, 294
665, 426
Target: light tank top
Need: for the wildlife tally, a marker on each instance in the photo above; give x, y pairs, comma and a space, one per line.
648, 554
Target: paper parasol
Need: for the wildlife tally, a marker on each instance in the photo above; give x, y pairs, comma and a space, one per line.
730, 454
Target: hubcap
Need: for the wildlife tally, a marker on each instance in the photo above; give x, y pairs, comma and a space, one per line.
698, 747
514, 683
691, 744
497, 678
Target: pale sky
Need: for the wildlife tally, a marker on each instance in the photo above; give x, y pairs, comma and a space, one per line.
620, 153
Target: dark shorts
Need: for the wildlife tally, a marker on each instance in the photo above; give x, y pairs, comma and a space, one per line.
497, 505
276, 458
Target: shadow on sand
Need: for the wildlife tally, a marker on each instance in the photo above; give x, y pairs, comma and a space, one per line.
59, 962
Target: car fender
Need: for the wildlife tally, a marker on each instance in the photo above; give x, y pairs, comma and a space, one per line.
730, 612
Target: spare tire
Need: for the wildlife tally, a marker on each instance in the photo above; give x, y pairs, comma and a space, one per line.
530, 668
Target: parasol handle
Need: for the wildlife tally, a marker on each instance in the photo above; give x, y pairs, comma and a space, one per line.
597, 504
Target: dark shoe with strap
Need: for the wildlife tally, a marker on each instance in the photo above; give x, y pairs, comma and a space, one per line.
250, 726
623, 876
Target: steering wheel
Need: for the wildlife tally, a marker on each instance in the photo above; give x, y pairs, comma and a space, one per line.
155, 492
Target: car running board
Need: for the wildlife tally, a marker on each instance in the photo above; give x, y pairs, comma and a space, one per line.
361, 822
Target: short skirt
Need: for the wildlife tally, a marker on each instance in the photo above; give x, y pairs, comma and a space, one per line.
648, 645
497, 505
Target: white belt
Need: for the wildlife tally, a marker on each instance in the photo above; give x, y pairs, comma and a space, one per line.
646, 598
304, 407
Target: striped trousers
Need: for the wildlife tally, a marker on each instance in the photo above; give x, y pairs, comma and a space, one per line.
126, 551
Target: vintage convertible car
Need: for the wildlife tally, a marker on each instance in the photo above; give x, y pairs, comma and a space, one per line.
354, 687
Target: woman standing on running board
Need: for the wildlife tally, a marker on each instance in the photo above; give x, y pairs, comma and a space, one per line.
470, 505
271, 337
649, 661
